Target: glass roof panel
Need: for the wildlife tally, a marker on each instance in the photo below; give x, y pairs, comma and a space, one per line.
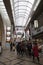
20, 21
22, 3
1, 0
19, 17
1, 3
15, 0
25, 4
29, 5
31, 1
22, 9
21, 13
2, 7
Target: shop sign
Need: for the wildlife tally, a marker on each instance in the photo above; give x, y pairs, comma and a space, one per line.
39, 30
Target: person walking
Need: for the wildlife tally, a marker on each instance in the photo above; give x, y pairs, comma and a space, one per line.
0, 48
35, 52
29, 47
11, 46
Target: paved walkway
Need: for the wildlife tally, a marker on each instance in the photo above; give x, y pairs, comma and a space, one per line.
11, 58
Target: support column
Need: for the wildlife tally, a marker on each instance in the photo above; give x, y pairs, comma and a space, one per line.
30, 32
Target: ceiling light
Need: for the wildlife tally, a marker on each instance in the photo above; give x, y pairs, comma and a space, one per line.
8, 33
8, 38
36, 23
8, 28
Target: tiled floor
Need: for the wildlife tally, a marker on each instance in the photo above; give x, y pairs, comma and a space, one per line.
11, 58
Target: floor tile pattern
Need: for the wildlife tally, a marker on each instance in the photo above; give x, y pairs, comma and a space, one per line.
11, 58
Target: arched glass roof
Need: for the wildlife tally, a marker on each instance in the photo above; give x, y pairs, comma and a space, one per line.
22, 9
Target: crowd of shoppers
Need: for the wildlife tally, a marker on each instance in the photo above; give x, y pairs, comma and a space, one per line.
29, 48
12, 46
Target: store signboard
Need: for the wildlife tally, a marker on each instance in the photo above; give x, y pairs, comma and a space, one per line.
39, 30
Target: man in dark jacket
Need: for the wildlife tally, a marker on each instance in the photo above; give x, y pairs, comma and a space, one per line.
29, 47
11, 46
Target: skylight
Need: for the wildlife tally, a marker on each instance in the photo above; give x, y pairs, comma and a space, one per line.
22, 9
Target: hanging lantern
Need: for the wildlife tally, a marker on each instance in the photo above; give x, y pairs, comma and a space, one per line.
8, 28
36, 23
